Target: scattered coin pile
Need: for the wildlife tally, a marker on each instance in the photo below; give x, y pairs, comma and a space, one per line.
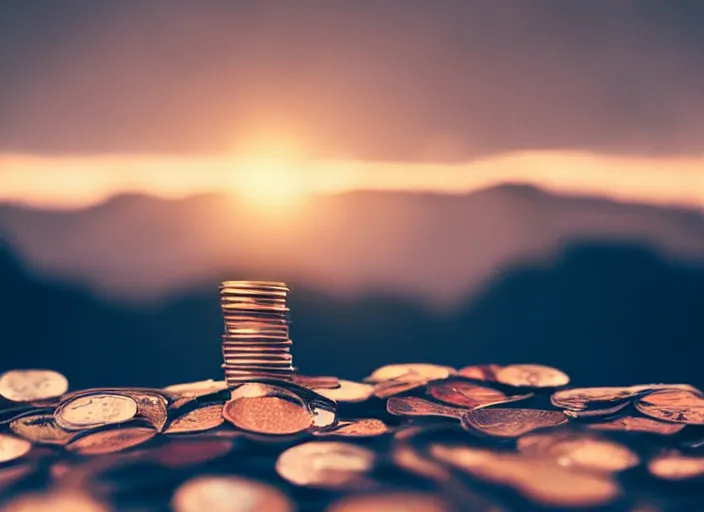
411, 437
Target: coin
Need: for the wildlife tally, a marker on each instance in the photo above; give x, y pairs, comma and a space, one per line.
674, 405
676, 466
466, 394
56, 501
639, 424
326, 464
151, 406
537, 480
410, 371
32, 385
41, 428
110, 441
390, 388
597, 411
415, 406
365, 427
12, 448
391, 502
349, 392
95, 410
501, 422
184, 453
197, 420
267, 409
195, 389
582, 451
578, 399
532, 375
483, 372
229, 494
317, 382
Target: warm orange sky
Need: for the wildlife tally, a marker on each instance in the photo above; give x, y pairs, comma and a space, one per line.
599, 97
72, 181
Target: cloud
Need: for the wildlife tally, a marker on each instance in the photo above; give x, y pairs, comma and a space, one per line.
443, 81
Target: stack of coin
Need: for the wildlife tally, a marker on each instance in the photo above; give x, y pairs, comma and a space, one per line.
256, 342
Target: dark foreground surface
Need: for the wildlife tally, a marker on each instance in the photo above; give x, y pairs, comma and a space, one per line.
413, 438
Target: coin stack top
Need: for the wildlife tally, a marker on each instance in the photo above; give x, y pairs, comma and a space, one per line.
256, 342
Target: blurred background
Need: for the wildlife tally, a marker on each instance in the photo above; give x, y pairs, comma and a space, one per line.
457, 182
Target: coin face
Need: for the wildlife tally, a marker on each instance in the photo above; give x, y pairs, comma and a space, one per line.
151, 406
268, 415
415, 406
582, 451
391, 502
12, 448
366, 427
325, 464
32, 385
349, 392
502, 422
676, 467
110, 441
41, 428
532, 376
411, 371
674, 405
638, 424
95, 410
197, 420
229, 494
537, 480
467, 394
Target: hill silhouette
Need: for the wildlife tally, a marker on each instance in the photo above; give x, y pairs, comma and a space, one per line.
606, 313
434, 248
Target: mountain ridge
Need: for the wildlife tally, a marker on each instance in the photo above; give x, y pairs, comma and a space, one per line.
435, 248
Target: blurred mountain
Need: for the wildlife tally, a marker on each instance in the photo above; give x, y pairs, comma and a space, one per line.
605, 313
429, 248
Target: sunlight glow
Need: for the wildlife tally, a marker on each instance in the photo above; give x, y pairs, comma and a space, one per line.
269, 180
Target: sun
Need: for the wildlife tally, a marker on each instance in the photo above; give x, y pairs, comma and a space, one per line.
269, 180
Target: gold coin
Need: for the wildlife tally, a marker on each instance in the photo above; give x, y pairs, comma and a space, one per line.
349, 392
411, 371
532, 375
502, 422
639, 424
12, 448
110, 441
389, 388
197, 420
674, 405
32, 385
41, 428
229, 494
582, 451
391, 502
414, 406
95, 410
326, 464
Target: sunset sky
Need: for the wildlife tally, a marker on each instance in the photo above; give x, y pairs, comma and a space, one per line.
273, 99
